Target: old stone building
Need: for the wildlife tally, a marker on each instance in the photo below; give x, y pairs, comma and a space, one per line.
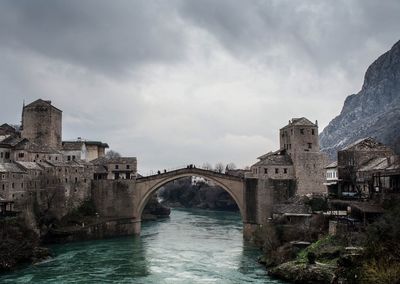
42, 124
301, 141
299, 158
296, 168
115, 168
37, 168
83, 150
366, 168
332, 179
6, 129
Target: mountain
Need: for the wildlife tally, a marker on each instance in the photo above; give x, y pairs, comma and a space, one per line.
373, 112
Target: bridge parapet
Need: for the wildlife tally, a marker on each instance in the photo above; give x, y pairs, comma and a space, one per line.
194, 171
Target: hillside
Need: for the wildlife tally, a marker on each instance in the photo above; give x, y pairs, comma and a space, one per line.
374, 111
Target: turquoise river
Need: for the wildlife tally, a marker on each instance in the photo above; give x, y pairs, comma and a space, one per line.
192, 246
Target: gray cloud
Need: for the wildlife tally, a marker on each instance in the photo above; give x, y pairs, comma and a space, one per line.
108, 36
326, 33
183, 81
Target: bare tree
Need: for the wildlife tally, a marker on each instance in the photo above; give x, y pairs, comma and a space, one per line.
219, 167
230, 166
112, 154
207, 166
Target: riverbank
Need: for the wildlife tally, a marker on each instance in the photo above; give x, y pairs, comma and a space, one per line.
192, 246
370, 255
19, 245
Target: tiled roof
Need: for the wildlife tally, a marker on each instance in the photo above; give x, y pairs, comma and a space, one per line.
11, 167
332, 165
41, 102
302, 121
35, 148
13, 140
375, 164
30, 165
77, 145
279, 157
117, 160
100, 169
367, 143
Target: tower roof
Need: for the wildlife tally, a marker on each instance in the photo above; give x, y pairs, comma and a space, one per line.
41, 102
302, 121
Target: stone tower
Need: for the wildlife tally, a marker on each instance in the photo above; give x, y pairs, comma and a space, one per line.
301, 141
41, 124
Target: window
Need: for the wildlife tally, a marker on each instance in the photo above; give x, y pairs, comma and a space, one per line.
313, 131
7, 155
309, 145
301, 131
21, 155
3, 187
73, 158
12, 185
1, 155
128, 167
116, 167
285, 170
290, 146
265, 171
66, 180
22, 185
69, 158
277, 171
76, 180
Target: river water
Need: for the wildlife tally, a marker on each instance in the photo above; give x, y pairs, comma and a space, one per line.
192, 246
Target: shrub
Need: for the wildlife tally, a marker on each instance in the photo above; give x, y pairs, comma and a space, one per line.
381, 271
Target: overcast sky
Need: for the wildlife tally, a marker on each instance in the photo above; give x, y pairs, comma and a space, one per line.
179, 82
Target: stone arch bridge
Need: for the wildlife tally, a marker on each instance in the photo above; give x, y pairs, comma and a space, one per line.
123, 201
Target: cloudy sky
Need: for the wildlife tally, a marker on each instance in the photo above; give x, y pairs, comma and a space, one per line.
189, 81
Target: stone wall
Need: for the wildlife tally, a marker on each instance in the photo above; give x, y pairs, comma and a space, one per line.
101, 230
114, 198
42, 124
310, 172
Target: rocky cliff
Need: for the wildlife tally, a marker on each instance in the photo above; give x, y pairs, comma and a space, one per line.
374, 111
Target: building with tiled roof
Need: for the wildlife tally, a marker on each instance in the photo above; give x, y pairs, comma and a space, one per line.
115, 168
83, 149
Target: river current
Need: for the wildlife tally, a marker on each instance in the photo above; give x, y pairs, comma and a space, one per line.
192, 246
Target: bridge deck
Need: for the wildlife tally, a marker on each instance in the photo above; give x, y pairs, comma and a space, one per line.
194, 171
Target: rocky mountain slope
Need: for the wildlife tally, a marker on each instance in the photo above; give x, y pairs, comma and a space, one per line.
374, 111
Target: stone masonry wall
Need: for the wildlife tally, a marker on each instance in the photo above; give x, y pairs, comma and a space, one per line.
310, 173
42, 125
114, 198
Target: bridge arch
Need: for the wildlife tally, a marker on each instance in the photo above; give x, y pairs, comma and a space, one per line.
147, 186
